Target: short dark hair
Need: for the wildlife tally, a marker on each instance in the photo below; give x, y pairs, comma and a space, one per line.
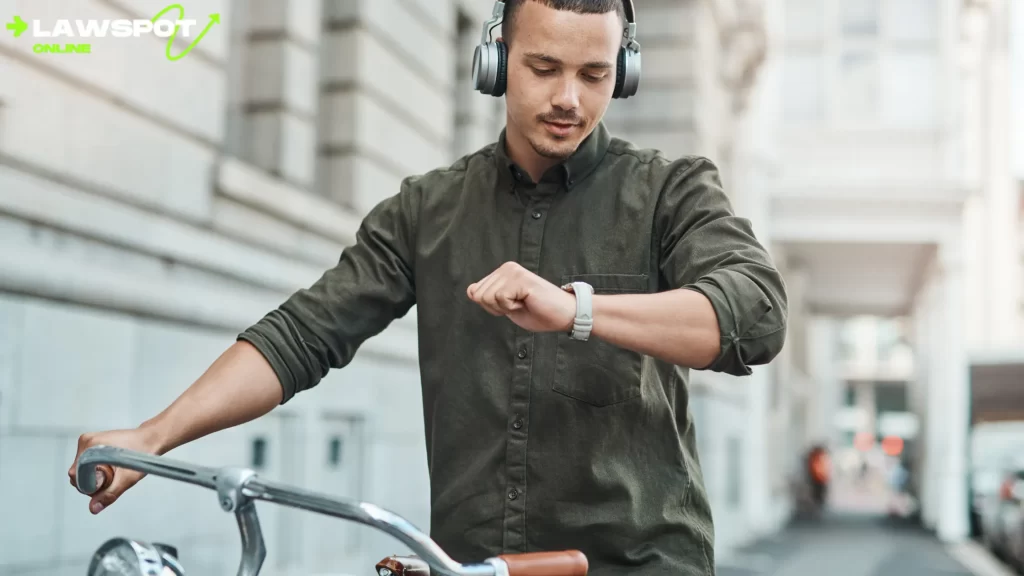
578, 6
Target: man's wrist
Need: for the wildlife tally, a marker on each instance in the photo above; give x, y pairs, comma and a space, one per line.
567, 327
156, 436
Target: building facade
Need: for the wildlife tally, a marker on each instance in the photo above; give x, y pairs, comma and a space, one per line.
895, 198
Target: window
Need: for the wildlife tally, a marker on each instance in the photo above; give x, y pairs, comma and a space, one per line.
259, 453
803, 78
859, 18
858, 86
911, 20
334, 452
803, 89
804, 21
854, 64
909, 78
340, 474
850, 395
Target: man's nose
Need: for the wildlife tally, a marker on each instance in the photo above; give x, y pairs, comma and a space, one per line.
567, 95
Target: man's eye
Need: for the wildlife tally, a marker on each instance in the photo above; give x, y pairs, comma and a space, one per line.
543, 71
593, 78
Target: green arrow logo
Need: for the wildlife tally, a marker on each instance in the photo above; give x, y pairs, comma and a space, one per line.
214, 19
17, 26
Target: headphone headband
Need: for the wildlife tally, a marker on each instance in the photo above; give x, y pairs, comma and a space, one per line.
630, 14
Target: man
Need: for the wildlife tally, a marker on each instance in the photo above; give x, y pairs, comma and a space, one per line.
537, 439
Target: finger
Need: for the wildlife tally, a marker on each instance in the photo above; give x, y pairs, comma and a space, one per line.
84, 442
491, 309
475, 287
122, 480
485, 294
492, 297
481, 288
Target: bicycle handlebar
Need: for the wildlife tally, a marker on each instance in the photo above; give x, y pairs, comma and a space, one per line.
237, 488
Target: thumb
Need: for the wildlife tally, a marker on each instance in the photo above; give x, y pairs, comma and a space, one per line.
509, 301
122, 480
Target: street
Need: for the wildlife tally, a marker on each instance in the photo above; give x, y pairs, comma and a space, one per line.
856, 537
846, 544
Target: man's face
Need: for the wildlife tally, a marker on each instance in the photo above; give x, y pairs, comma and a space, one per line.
561, 75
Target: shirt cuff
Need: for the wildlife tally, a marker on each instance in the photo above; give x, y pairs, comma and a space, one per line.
734, 356
255, 336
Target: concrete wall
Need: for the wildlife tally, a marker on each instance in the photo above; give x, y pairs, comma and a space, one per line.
149, 210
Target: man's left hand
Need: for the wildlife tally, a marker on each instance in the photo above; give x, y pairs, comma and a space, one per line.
530, 301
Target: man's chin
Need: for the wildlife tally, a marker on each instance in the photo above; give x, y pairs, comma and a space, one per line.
555, 149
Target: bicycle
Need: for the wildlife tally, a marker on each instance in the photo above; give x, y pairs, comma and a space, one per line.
238, 489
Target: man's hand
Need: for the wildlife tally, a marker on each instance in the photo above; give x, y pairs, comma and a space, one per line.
139, 440
530, 301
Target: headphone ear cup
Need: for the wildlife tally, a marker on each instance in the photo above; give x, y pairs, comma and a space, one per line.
501, 83
620, 73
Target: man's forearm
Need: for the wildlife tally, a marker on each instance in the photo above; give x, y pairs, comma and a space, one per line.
677, 326
238, 387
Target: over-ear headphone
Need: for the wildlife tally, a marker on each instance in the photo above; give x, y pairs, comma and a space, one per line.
490, 60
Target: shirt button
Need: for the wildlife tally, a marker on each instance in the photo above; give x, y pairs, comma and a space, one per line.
518, 423
513, 494
522, 353
536, 214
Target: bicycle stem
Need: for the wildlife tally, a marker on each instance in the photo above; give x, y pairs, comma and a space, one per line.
238, 488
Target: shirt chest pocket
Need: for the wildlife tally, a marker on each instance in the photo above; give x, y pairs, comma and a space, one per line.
596, 372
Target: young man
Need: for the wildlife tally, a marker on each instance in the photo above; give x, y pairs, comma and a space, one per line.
555, 418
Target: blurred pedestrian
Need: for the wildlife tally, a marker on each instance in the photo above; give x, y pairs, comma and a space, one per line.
819, 470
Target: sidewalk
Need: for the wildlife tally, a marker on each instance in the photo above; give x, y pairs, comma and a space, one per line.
846, 545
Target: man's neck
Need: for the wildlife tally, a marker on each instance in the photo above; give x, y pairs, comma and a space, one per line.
522, 153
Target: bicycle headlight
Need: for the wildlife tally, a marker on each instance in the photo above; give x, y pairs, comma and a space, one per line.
124, 557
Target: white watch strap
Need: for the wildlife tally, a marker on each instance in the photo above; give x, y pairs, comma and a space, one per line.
584, 320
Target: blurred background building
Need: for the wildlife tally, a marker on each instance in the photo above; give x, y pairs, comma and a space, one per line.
150, 210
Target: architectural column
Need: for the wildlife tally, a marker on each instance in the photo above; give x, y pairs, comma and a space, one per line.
931, 469
1002, 279
824, 373
921, 389
387, 97
954, 391
984, 78
282, 89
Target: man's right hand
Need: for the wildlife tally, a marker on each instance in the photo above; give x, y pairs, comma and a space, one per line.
141, 439
239, 386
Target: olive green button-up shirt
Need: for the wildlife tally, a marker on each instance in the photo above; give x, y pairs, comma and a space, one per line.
537, 441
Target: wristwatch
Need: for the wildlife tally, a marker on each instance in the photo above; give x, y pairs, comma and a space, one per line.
584, 321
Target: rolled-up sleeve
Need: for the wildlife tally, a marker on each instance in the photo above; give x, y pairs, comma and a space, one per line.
321, 327
707, 248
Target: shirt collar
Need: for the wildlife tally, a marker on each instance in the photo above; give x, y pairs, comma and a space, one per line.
569, 172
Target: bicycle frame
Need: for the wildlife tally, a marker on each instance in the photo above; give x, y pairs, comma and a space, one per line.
238, 489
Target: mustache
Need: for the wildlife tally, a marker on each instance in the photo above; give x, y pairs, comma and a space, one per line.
561, 118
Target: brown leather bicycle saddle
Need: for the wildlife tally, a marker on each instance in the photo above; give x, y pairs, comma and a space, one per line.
404, 566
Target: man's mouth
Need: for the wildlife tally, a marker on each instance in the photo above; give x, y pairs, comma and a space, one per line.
559, 128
